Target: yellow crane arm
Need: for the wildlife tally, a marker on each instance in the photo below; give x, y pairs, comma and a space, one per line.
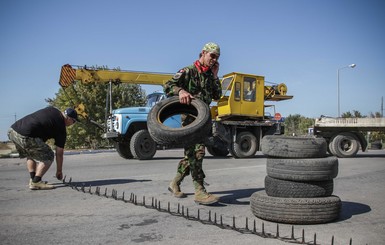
69, 75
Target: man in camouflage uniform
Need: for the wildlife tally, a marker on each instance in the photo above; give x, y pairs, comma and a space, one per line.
199, 80
29, 135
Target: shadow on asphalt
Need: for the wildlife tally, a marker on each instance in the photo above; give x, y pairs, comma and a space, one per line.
352, 208
96, 183
369, 156
232, 196
230, 157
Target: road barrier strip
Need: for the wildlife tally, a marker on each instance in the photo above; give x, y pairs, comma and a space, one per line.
213, 219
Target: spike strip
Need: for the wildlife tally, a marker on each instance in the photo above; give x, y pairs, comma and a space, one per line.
157, 206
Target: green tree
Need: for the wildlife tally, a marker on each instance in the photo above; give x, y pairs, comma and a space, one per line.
297, 124
355, 114
93, 96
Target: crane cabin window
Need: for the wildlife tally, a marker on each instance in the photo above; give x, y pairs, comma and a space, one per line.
237, 92
249, 87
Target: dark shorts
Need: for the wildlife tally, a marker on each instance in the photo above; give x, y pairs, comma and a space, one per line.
32, 148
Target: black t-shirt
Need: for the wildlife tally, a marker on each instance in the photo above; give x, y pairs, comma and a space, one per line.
47, 123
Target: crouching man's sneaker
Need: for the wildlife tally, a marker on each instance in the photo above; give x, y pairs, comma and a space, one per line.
42, 185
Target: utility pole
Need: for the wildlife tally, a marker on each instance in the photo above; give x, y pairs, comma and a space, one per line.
382, 106
15, 116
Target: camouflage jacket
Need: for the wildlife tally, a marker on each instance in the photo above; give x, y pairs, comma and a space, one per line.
200, 85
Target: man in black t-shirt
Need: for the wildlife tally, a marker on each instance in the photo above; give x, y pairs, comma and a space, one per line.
30, 133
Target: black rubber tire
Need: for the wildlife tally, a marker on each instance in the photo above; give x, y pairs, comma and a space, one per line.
293, 147
245, 145
302, 169
217, 152
195, 132
345, 145
142, 146
377, 145
124, 150
330, 147
294, 189
301, 211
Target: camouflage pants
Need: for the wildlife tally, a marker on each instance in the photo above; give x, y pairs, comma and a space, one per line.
192, 162
31, 148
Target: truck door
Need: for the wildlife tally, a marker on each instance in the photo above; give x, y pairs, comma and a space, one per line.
252, 101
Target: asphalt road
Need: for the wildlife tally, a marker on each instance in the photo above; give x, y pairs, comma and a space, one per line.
69, 216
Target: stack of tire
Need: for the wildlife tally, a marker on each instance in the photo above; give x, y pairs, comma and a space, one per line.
299, 182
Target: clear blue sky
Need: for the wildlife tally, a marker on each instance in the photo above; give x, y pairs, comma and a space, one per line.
299, 42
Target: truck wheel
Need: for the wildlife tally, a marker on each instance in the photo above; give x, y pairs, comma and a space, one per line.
302, 169
293, 147
245, 145
330, 147
193, 133
294, 189
216, 147
124, 150
143, 147
302, 211
217, 152
345, 145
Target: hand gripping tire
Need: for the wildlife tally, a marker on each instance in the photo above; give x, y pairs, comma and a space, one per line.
195, 132
293, 147
302, 211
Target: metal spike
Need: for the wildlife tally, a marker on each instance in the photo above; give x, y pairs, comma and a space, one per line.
277, 234
350, 242
332, 243
303, 236
159, 205
144, 201
168, 207
233, 222
263, 229
136, 202
199, 217
70, 181
315, 238
152, 202
178, 208
221, 221
209, 215
89, 190
123, 197
247, 224
215, 218
182, 210
105, 192
254, 227
187, 213
292, 232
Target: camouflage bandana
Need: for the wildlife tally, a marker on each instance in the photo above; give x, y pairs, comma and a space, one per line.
212, 48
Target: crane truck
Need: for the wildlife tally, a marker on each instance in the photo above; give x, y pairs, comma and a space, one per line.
238, 117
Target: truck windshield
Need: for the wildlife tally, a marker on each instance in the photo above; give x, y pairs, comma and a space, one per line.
152, 99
